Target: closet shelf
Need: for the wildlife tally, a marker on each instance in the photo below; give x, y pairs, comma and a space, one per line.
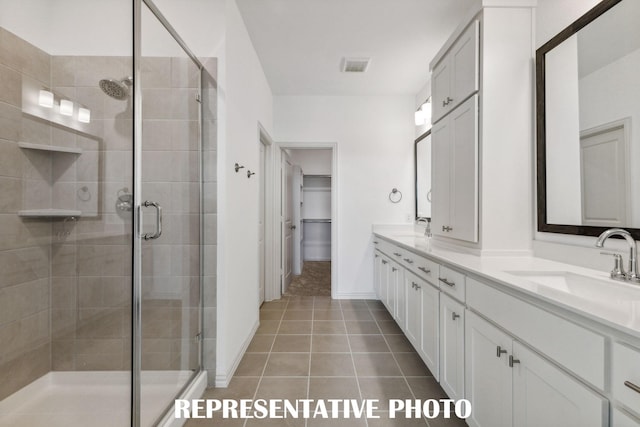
54, 148
48, 213
321, 220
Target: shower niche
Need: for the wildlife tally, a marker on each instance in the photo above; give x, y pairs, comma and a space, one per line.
61, 152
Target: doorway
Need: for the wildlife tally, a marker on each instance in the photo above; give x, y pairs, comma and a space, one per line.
307, 221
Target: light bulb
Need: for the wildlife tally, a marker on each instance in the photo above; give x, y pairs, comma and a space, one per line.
45, 99
66, 107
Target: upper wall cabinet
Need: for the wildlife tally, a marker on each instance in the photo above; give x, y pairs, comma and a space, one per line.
481, 85
455, 78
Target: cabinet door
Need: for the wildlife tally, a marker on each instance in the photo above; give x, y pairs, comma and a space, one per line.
463, 173
430, 326
623, 419
487, 373
543, 395
377, 268
384, 281
464, 66
440, 87
414, 309
440, 185
401, 300
392, 287
451, 347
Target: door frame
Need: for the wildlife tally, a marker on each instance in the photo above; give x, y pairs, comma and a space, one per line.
272, 274
276, 285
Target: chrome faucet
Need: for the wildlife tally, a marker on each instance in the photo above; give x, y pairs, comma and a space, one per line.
427, 221
618, 273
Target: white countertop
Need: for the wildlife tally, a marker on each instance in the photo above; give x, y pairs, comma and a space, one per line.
620, 312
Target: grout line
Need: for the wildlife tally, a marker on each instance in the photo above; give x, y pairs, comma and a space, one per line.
255, 393
353, 362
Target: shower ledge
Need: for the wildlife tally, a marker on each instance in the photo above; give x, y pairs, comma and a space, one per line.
44, 147
48, 213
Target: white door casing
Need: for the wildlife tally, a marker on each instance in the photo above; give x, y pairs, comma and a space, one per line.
286, 214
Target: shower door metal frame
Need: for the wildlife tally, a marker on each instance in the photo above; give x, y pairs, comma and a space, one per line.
136, 321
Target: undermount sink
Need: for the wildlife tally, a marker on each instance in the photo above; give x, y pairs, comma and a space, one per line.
604, 296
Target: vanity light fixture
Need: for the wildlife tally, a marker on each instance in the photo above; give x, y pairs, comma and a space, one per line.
423, 114
84, 115
45, 99
426, 110
66, 107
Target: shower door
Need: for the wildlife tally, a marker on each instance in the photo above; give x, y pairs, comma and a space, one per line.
170, 220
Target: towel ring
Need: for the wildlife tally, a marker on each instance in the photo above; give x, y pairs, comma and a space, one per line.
395, 196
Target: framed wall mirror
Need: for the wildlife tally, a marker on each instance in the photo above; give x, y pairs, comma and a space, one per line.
423, 175
588, 113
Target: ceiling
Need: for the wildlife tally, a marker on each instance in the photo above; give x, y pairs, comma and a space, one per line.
301, 43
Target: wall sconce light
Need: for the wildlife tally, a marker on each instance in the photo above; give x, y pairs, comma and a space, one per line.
45, 99
66, 107
84, 115
423, 115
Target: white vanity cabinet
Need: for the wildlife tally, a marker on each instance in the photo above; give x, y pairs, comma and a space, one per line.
452, 314
488, 378
454, 145
625, 376
422, 319
455, 77
544, 395
510, 385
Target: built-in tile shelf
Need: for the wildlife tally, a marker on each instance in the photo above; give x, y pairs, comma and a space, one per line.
49, 213
53, 148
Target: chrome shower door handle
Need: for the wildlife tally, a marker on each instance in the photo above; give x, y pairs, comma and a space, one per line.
158, 233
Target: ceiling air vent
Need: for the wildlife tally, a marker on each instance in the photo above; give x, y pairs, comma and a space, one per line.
355, 65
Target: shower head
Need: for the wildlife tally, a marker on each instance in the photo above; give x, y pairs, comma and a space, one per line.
117, 89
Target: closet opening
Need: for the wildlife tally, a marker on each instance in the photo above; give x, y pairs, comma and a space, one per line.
307, 221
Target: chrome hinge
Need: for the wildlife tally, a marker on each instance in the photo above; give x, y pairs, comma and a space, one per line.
198, 98
198, 337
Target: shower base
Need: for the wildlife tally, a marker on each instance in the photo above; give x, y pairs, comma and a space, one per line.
92, 398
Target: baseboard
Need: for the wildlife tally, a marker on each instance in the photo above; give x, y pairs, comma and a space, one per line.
355, 295
223, 379
194, 391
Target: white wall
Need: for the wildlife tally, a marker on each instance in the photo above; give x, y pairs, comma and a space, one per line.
312, 162
564, 194
552, 16
245, 101
374, 137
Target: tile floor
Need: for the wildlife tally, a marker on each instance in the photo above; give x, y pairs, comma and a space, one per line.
319, 348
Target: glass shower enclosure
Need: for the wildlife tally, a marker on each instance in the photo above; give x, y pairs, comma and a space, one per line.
100, 214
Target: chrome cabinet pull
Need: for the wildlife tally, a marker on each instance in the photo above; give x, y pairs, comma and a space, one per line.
375, 243
446, 282
384, 262
512, 361
415, 286
158, 233
454, 315
632, 386
394, 269
424, 270
499, 351
377, 256
408, 260
397, 254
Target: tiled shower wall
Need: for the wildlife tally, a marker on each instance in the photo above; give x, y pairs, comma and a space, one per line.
25, 245
65, 286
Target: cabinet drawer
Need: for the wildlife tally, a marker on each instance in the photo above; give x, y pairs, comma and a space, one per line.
626, 376
577, 349
382, 245
423, 267
452, 283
